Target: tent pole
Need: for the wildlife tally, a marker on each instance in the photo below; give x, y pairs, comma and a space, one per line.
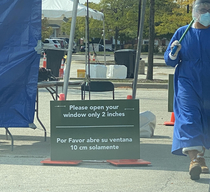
88, 76
104, 42
138, 52
86, 49
70, 48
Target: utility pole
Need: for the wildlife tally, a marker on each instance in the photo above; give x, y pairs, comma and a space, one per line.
139, 17
151, 41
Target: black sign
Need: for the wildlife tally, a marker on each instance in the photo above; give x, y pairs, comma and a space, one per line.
95, 130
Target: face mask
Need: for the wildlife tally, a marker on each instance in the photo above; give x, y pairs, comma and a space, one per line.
205, 19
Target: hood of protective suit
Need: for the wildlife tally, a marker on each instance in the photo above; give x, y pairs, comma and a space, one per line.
202, 1
200, 7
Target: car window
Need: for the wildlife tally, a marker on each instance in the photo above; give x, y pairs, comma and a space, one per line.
46, 41
55, 41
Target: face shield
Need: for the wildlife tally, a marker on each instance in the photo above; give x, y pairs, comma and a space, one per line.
200, 8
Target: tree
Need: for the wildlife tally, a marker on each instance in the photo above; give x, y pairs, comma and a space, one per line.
171, 15
79, 30
119, 18
46, 29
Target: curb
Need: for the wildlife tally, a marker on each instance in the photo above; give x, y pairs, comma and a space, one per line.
139, 85
142, 85
163, 64
129, 84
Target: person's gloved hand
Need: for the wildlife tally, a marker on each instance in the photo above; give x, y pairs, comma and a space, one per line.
179, 46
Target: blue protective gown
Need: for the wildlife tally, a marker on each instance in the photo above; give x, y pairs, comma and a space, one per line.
191, 89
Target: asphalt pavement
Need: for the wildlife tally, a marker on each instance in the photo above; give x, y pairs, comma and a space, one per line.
22, 170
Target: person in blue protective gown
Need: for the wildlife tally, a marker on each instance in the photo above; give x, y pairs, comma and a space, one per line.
192, 89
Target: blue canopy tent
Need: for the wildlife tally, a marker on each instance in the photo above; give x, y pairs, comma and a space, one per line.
20, 42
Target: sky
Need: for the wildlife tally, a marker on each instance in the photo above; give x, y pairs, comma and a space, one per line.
84, 1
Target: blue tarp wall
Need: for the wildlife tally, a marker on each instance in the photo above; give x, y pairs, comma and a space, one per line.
20, 30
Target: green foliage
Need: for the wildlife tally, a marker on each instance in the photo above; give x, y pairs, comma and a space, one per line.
121, 19
95, 26
144, 48
185, 2
46, 29
79, 30
170, 15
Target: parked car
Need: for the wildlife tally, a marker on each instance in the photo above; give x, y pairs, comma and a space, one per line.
67, 44
51, 44
74, 47
101, 48
63, 43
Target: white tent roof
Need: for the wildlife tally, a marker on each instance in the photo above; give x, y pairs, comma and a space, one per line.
64, 8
